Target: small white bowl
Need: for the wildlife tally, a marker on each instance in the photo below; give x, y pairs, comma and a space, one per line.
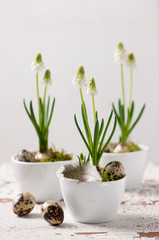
38, 178
91, 202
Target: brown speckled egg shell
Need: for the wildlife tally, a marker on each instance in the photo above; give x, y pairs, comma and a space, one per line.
116, 168
23, 203
52, 212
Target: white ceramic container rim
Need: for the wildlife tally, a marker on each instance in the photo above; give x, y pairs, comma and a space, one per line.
60, 175
36, 163
143, 148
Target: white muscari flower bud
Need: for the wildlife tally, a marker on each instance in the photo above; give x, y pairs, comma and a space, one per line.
120, 53
47, 77
37, 65
79, 80
130, 61
92, 87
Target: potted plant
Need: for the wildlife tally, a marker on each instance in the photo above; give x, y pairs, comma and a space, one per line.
133, 156
35, 172
92, 194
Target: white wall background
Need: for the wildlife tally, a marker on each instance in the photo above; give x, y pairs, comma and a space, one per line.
70, 33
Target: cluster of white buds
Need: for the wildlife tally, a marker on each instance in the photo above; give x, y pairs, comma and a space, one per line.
79, 79
47, 77
120, 56
92, 87
38, 65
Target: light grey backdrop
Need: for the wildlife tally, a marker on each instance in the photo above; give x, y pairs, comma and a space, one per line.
70, 33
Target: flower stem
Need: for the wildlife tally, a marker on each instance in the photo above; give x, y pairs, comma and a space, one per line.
44, 102
81, 94
83, 106
86, 119
44, 96
37, 87
122, 82
94, 110
131, 83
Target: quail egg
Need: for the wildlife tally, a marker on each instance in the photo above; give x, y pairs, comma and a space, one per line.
52, 212
113, 171
23, 203
25, 156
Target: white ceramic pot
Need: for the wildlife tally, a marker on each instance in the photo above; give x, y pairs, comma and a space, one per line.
38, 178
91, 202
134, 164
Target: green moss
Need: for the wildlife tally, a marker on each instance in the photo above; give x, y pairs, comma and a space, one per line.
129, 147
132, 147
56, 156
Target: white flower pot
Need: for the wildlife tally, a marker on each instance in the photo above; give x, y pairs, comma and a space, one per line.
91, 202
38, 178
134, 164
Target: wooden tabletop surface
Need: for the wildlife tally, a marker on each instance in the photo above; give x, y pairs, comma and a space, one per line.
137, 218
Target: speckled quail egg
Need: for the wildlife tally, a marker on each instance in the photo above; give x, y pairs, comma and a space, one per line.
114, 171
23, 203
25, 156
52, 212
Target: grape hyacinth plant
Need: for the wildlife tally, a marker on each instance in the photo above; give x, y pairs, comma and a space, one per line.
45, 113
42, 128
94, 142
125, 122
89, 169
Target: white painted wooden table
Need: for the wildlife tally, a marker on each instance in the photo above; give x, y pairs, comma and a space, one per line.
137, 218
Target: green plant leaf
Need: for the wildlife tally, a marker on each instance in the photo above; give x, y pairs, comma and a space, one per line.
47, 109
77, 125
105, 131
51, 113
101, 128
116, 114
26, 109
42, 115
34, 120
132, 109
138, 118
95, 143
86, 126
109, 139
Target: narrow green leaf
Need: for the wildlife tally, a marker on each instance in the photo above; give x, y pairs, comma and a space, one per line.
138, 118
116, 114
96, 115
123, 115
122, 118
86, 125
77, 125
47, 109
52, 109
105, 131
128, 119
26, 109
109, 139
95, 143
101, 128
132, 109
42, 115
34, 120
119, 107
